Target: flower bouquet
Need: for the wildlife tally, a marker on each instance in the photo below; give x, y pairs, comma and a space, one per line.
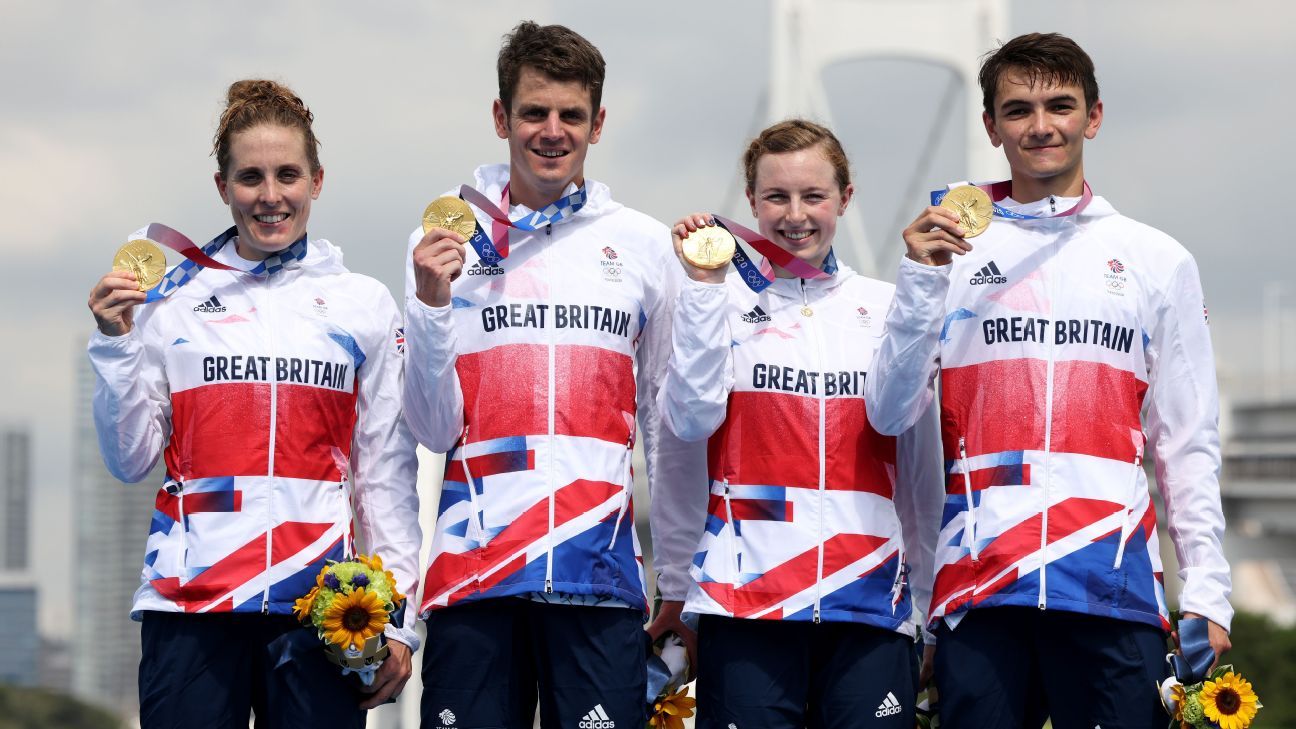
349, 606
668, 701
1198, 698
1225, 700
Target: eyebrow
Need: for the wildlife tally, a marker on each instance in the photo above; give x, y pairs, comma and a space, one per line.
1009, 102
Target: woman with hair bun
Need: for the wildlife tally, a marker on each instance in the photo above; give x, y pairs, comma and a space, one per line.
817, 526
271, 387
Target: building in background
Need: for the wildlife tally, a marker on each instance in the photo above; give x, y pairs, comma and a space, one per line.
15, 498
1258, 485
19, 660
111, 521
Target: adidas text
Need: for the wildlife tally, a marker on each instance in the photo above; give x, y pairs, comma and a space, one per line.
210, 306
756, 316
989, 274
479, 270
597, 718
890, 706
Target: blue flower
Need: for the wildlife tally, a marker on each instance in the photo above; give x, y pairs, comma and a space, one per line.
331, 581
360, 579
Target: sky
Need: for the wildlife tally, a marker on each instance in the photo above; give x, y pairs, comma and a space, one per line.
109, 108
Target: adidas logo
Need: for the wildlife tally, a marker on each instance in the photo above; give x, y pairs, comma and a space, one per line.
210, 306
756, 316
989, 274
597, 718
888, 707
477, 269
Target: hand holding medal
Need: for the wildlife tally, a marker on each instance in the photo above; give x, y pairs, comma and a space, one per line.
439, 258
703, 247
137, 267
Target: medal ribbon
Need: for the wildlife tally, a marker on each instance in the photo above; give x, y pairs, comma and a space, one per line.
196, 259
1002, 189
1197, 654
492, 253
757, 279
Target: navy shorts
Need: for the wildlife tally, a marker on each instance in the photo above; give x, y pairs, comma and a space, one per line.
485, 663
208, 671
774, 673
1010, 667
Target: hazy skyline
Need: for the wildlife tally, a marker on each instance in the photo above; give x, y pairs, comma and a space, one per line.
109, 111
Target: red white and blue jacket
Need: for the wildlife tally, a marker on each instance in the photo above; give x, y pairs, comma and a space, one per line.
275, 401
1051, 337
530, 381
813, 515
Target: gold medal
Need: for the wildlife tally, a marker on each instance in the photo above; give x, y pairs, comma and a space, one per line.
709, 248
142, 258
973, 207
452, 214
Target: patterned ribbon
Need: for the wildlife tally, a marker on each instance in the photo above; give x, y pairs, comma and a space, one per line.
1002, 189
196, 259
758, 278
492, 253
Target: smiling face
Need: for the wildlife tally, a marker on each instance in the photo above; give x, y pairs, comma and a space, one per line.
1042, 127
269, 187
549, 129
796, 200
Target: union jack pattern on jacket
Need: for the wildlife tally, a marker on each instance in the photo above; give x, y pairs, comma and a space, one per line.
810, 509
275, 402
531, 381
1051, 336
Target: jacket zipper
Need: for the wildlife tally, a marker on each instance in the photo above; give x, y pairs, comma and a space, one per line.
184, 532
1048, 453
1126, 526
549, 449
274, 420
974, 549
809, 324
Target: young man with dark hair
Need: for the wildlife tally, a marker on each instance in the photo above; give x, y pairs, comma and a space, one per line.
1051, 332
529, 357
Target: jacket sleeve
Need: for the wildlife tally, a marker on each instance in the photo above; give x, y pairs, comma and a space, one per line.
677, 480
132, 401
384, 468
433, 399
1183, 428
900, 382
699, 377
919, 501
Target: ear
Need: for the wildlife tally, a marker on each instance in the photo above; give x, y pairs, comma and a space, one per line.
596, 128
1095, 120
500, 115
317, 183
990, 129
847, 194
220, 187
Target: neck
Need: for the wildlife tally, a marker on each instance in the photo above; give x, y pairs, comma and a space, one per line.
537, 198
247, 252
780, 272
1029, 189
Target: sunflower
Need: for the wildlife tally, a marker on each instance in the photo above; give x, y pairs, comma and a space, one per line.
669, 712
303, 606
374, 563
1229, 701
354, 618
1180, 697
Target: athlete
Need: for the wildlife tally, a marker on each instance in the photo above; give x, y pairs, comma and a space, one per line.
814, 532
528, 368
272, 391
1051, 332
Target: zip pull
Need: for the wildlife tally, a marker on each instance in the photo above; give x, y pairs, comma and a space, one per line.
1052, 204
816, 614
548, 587
971, 505
805, 301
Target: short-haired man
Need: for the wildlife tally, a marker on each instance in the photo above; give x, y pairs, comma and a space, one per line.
1051, 332
527, 365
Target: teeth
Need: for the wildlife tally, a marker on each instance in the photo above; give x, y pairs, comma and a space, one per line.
550, 152
276, 218
799, 235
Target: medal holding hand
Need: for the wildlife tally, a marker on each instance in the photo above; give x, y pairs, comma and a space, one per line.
703, 248
448, 223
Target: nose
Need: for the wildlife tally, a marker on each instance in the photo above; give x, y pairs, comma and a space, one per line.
796, 211
271, 192
552, 126
1040, 125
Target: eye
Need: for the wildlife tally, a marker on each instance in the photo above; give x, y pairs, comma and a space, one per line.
573, 117
288, 176
249, 178
775, 197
